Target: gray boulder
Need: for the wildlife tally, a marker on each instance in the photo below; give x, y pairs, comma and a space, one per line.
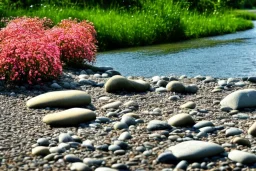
240, 99
120, 83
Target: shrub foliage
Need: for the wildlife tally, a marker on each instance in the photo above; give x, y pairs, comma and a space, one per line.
32, 52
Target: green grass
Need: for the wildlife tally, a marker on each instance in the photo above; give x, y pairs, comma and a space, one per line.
159, 22
244, 14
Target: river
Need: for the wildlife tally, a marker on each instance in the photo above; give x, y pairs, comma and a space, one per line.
230, 55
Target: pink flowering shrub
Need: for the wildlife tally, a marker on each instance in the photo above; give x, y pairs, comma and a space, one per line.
76, 41
31, 51
27, 54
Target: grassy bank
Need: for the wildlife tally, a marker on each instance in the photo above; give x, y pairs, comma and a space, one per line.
154, 23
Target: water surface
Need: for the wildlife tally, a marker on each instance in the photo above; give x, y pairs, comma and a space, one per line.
231, 55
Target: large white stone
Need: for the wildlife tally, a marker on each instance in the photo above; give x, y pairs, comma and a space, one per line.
70, 117
240, 99
193, 150
66, 99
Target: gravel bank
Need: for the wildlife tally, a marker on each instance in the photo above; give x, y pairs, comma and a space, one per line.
21, 127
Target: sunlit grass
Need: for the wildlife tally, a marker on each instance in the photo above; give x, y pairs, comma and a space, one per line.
154, 23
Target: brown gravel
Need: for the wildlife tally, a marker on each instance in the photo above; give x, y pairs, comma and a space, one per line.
20, 127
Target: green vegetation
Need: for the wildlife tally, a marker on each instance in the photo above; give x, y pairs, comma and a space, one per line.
134, 23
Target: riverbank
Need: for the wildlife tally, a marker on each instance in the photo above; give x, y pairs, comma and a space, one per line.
149, 25
143, 148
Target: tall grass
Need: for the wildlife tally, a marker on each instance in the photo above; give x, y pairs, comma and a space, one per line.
158, 22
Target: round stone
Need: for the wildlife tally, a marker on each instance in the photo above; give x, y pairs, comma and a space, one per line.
176, 86
192, 88
189, 105
40, 151
241, 141
128, 120
72, 158
120, 125
79, 166
114, 105
242, 157
43, 142
125, 136
252, 130
65, 137
167, 157
181, 120
157, 125
202, 124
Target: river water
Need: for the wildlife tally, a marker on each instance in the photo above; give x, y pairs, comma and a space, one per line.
231, 55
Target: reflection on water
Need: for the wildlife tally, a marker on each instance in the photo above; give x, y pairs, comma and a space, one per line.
231, 55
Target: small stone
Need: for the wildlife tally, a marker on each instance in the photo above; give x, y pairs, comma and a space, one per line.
40, 151
233, 131
43, 142
93, 161
174, 98
65, 137
181, 120
49, 157
242, 157
56, 86
157, 125
193, 150
192, 88
57, 150
114, 105
128, 120
252, 130
176, 86
182, 165
72, 158
125, 136
79, 166
241, 141
119, 152
189, 105
120, 166
161, 90
105, 169
120, 125
202, 124
167, 157
114, 148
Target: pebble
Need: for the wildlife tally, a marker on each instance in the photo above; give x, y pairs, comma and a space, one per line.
157, 125
79, 166
43, 142
233, 131
128, 120
189, 105
40, 150
193, 150
167, 157
125, 136
202, 124
72, 158
242, 157
120, 125
181, 120
65, 137
93, 161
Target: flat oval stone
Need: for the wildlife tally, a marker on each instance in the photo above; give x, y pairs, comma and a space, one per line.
43, 142
120, 125
125, 136
241, 141
72, 158
202, 124
114, 105
93, 161
240, 99
252, 130
188, 105
120, 83
242, 157
181, 120
105, 169
79, 166
233, 131
66, 99
167, 157
157, 125
40, 151
70, 117
194, 150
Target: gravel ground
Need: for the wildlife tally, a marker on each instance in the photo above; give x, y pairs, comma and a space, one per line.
21, 127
